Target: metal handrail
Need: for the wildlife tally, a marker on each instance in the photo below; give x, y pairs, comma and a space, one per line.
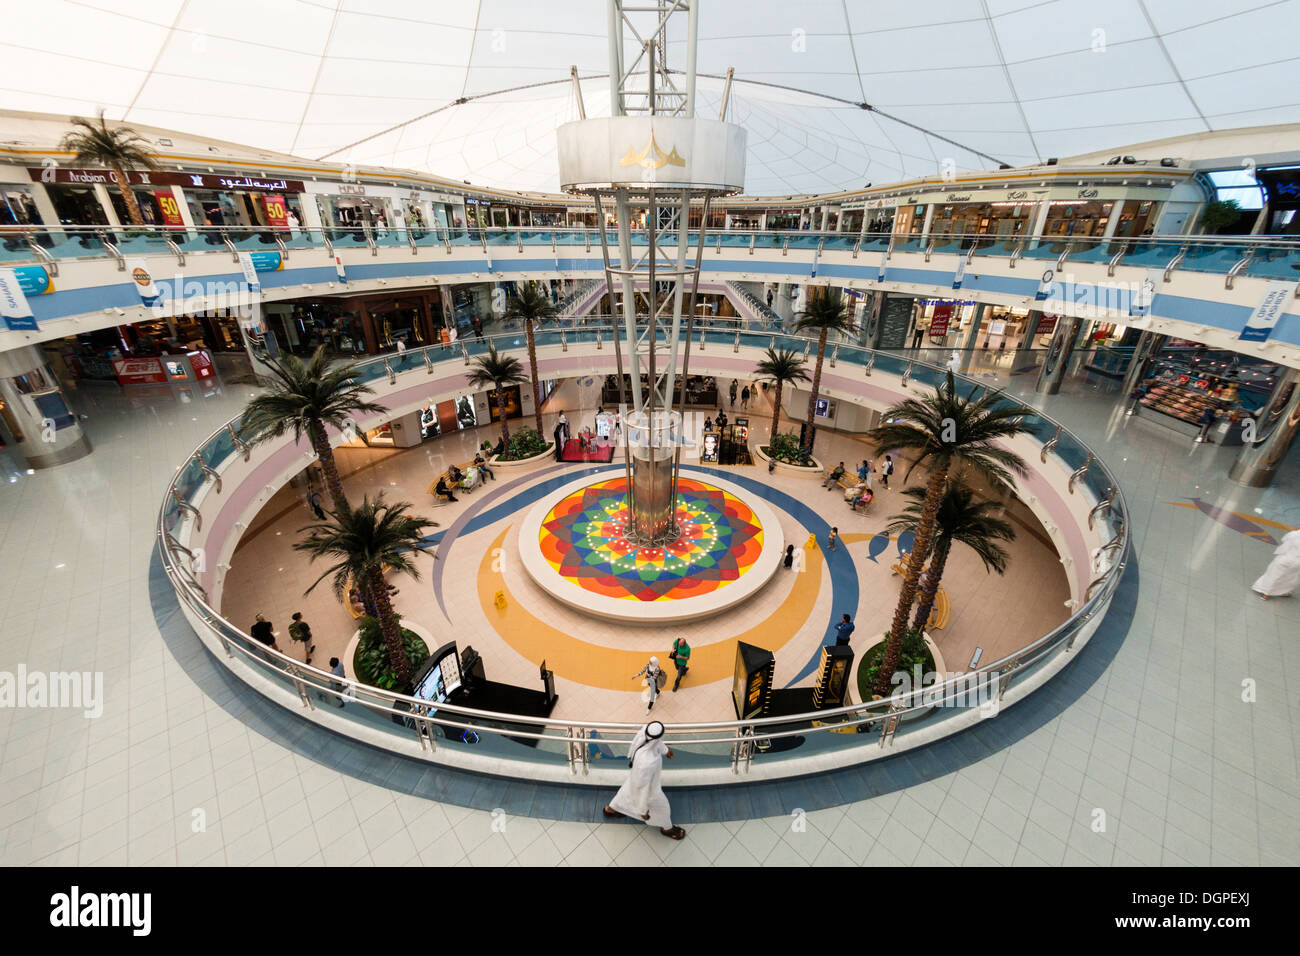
1079, 473
865, 713
1050, 445
208, 472
1101, 508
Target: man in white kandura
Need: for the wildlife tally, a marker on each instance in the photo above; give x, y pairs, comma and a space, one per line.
642, 797
1282, 576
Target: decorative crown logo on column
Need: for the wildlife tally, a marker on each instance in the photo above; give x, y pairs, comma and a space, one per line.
659, 160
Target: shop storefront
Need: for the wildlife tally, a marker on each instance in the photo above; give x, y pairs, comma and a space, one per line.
351, 208
18, 206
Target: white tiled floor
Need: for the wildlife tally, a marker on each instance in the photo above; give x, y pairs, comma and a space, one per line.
1186, 772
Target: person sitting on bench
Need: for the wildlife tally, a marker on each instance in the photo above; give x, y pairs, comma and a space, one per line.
455, 475
835, 475
481, 464
442, 491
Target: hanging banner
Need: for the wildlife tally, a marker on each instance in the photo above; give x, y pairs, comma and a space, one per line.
169, 207
338, 268
250, 272
884, 261
13, 303
277, 213
143, 281
940, 321
960, 273
1045, 285
1262, 321
1140, 304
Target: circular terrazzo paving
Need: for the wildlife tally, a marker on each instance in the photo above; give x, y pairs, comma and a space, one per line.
573, 543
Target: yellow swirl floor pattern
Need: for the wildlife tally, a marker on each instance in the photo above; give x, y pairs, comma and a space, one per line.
609, 668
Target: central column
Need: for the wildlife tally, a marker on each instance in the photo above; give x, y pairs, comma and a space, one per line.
645, 165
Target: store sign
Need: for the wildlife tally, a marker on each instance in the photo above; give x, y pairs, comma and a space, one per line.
77, 177
142, 281
169, 207
33, 280
277, 213
201, 362
940, 321
351, 189
13, 303
139, 371
1140, 304
1045, 285
1046, 324
1262, 321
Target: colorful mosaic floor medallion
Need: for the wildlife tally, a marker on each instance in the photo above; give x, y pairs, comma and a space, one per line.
582, 538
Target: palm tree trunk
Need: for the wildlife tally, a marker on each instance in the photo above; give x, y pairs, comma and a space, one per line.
501, 410
128, 197
325, 455
389, 628
816, 387
932, 578
920, 549
532, 370
776, 413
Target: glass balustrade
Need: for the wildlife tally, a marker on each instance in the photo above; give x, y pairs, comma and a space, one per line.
854, 732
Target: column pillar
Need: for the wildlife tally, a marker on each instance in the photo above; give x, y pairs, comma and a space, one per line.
967, 345
870, 333
1276, 428
46, 430
1058, 353
1148, 344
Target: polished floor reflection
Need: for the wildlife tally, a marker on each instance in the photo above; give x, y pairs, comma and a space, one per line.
1186, 740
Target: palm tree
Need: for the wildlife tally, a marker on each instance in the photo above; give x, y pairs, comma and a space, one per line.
363, 541
306, 397
826, 313
532, 304
779, 367
960, 519
953, 434
498, 371
119, 149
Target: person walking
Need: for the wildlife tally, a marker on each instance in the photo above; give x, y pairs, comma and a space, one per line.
313, 500
886, 469
1207, 422
833, 538
655, 678
642, 796
300, 631
843, 630
735, 386
681, 658
1282, 576
336, 670
263, 631
744, 397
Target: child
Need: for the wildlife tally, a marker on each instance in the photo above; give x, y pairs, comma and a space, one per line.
789, 557
835, 533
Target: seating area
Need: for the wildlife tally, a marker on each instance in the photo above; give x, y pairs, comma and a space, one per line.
470, 479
